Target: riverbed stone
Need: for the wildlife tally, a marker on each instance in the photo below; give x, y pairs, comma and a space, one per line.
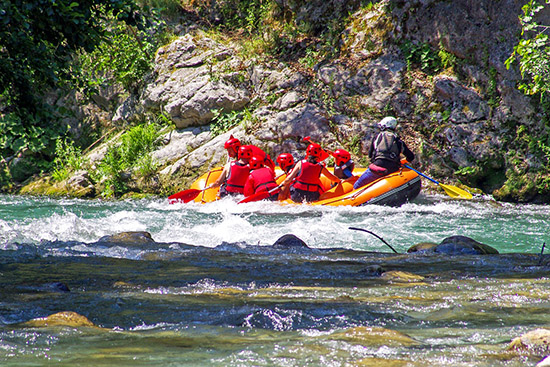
65, 318
462, 245
401, 276
128, 238
373, 336
289, 241
536, 342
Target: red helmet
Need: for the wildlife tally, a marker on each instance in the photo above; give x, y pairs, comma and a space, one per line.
314, 150
232, 143
256, 162
245, 151
341, 156
285, 160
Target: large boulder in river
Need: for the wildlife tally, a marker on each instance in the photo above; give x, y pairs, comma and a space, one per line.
462, 245
290, 241
128, 238
454, 245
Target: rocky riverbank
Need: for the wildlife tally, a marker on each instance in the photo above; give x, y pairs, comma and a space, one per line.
437, 66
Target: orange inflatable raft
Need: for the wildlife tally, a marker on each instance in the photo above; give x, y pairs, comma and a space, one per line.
394, 189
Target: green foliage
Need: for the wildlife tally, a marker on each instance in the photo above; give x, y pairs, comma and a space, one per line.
126, 56
135, 145
68, 158
38, 40
447, 59
422, 56
532, 52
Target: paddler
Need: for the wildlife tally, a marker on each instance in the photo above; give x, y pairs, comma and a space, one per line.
307, 186
233, 145
384, 153
235, 173
343, 165
286, 162
261, 179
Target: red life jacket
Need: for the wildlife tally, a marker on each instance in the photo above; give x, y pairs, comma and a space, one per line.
263, 180
308, 178
238, 174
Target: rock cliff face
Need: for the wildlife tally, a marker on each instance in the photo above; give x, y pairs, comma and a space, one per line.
437, 65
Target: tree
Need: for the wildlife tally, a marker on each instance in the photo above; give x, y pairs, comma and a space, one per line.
37, 41
533, 52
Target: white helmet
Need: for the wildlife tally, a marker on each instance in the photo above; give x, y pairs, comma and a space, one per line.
388, 123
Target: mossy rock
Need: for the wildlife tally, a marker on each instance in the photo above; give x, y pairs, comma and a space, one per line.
65, 318
422, 246
535, 342
401, 276
374, 336
128, 238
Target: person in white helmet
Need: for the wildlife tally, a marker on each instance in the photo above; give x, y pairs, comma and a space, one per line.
384, 153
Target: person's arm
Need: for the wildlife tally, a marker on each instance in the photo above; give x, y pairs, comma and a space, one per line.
329, 175
222, 178
407, 152
292, 174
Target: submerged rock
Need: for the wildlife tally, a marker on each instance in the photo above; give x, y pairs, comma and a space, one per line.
65, 318
402, 276
289, 241
129, 238
374, 336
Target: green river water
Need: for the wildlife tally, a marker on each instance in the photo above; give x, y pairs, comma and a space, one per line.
211, 291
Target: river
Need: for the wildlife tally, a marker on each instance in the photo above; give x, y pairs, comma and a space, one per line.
212, 291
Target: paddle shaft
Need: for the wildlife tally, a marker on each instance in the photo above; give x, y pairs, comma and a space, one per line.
421, 174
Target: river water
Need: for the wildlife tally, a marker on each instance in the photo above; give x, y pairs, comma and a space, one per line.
212, 291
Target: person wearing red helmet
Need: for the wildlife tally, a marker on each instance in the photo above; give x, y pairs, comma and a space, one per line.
233, 145
306, 176
260, 179
343, 167
235, 173
286, 162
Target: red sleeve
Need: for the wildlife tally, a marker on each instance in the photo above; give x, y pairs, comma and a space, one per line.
249, 186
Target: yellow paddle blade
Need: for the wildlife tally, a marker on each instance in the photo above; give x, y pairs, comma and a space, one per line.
455, 192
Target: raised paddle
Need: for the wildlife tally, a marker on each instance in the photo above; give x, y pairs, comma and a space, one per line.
452, 191
185, 196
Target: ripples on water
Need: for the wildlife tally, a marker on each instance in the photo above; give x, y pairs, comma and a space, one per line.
211, 290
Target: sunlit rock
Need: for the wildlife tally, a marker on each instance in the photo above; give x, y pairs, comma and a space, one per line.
374, 336
462, 245
535, 342
65, 318
289, 241
402, 276
422, 246
381, 362
129, 238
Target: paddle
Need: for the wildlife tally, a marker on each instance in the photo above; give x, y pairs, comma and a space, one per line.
452, 191
185, 196
259, 195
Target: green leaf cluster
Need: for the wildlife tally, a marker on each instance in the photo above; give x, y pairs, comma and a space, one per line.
533, 52
132, 153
